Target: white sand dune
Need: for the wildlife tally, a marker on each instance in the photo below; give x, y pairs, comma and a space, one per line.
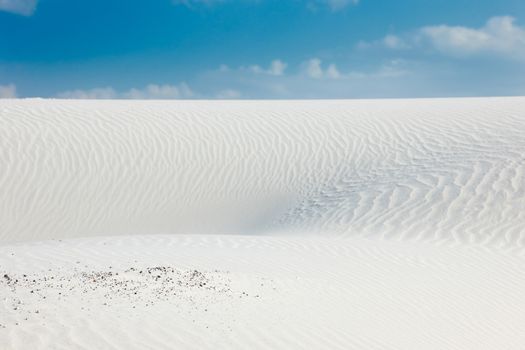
374, 224
424, 169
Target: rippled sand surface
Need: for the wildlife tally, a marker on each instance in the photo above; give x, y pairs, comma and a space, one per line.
367, 224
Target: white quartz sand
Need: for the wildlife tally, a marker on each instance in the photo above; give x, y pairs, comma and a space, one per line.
367, 224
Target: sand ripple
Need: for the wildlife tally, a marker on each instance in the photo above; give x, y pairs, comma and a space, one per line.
445, 170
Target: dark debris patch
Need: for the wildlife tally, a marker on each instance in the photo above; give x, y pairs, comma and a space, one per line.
133, 287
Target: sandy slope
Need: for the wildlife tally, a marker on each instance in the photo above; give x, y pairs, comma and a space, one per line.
261, 293
394, 224
424, 169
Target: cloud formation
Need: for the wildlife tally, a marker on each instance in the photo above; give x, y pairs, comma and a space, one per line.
160, 92
499, 36
19, 7
151, 91
8, 91
394, 42
312, 78
277, 67
313, 68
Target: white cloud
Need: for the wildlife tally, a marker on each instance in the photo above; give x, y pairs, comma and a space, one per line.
394, 42
499, 35
8, 91
154, 91
276, 68
313, 68
332, 72
151, 91
20, 7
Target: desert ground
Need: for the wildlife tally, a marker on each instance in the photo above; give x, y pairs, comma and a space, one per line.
313, 224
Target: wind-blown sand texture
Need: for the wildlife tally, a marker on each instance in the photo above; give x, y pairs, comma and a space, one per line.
367, 224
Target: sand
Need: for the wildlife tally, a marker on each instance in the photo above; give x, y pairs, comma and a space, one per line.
367, 224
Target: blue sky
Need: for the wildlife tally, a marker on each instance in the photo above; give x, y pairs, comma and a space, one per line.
261, 48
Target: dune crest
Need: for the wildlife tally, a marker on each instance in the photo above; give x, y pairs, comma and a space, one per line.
449, 170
